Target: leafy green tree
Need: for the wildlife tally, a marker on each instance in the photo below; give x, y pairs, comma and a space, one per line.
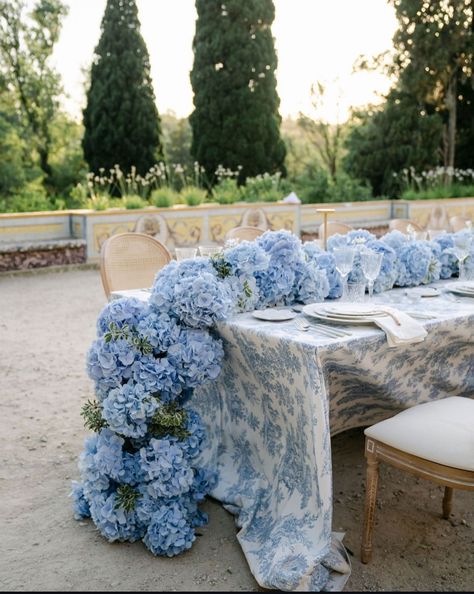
384, 141
434, 47
121, 121
177, 138
327, 138
27, 40
236, 121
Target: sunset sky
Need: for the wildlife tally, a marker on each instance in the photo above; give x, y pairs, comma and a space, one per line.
315, 40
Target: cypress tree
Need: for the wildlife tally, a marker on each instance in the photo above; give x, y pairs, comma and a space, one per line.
121, 120
236, 121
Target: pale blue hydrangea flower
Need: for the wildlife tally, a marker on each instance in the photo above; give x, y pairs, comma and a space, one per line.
81, 506
169, 532
449, 262
389, 268
129, 409
120, 311
166, 468
112, 521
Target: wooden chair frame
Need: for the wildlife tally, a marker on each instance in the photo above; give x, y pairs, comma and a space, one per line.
375, 452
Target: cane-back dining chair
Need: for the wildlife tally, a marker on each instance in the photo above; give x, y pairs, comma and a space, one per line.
244, 233
434, 441
131, 261
402, 225
333, 228
459, 223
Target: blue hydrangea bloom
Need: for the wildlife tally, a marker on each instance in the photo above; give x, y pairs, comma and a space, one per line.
246, 258
166, 468
128, 409
325, 261
120, 311
113, 522
415, 260
191, 291
311, 283
196, 357
81, 506
396, 240
449, 262
276, 282
169, 532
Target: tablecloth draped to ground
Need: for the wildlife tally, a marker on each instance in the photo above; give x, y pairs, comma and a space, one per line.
270, 415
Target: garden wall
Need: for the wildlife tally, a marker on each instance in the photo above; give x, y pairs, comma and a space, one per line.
41, 239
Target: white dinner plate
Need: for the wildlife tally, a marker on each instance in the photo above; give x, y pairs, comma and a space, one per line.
464, 289
424, 292
274, 315
317, 310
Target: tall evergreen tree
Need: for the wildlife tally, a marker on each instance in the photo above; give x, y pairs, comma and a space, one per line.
236, 121
121, 120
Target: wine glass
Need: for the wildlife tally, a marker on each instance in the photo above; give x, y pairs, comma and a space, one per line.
371, 263
344, 257
185, 253
461, 249
210, 250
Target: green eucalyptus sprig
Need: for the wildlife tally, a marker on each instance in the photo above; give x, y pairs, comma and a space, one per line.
130, 335
92, 415
221, 266
169, 420
126, 498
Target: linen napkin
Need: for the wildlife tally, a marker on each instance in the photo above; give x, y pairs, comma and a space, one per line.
408, 332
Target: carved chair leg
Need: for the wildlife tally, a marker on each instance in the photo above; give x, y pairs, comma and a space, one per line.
370, 501
447, 502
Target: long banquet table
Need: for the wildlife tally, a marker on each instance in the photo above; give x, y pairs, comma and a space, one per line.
280, 396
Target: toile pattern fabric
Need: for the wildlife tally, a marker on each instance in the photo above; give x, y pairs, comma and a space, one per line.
270, 415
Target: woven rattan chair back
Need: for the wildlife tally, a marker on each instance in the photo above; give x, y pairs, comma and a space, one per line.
459, 223
244, 233
335, 227
402, 225
131, 261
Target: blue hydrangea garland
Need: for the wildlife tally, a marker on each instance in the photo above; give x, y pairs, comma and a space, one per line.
140, 472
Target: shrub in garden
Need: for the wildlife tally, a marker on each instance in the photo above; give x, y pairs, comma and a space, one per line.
133, 201
163, 197
193, 196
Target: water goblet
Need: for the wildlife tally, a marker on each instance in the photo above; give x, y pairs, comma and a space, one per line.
371, 263
461, 250
185, 253
210, 250
432, 233
344, 258
355, 292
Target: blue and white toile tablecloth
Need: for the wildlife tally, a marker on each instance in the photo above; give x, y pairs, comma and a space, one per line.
281, 395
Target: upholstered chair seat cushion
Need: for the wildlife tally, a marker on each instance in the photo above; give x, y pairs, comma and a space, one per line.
441, 431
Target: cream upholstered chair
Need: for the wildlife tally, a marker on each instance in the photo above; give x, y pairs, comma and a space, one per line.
131, 261
402, 224
459, 223
244, 233
434, 441
333, 228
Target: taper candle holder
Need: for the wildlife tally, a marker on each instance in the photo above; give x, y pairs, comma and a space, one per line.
325, 212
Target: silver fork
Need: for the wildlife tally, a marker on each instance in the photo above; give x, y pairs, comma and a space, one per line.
304, 327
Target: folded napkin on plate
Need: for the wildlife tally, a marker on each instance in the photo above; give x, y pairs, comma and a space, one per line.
409, 331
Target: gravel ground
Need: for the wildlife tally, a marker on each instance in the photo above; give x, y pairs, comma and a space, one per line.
47, 322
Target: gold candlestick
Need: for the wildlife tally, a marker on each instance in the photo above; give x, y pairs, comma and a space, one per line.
325, 212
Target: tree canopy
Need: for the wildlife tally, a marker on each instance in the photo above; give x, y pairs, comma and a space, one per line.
236, 121
121, 120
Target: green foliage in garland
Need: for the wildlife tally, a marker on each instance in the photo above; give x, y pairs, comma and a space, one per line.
122, 125
131, 335
169, 420
236, 120
91, 412
126, 498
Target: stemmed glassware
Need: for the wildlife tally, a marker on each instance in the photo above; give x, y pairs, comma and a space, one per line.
461, 249
371, 263
185, 253
344, 257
